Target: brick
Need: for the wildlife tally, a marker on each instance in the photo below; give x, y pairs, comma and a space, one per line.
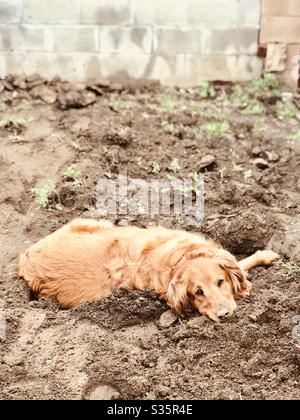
249, 13
10, 11
157, 12
231, 41
221, 67
280, 29
212, 13
293, 55
128, 40
172, 41
105, 12
280, 8
75, 38
51, 11
21, 38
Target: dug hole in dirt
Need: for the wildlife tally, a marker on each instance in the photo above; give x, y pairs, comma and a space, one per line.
57, 140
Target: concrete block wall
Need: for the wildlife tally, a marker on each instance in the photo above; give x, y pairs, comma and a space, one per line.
280, 32
175, 41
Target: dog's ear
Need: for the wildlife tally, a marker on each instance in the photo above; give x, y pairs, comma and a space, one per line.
178, 297
240, 285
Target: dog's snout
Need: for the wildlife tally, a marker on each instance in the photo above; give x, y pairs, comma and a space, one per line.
223, 312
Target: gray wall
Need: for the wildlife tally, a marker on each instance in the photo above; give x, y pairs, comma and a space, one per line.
176, 41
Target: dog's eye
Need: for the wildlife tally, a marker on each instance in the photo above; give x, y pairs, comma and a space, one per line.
199, 292
220, 282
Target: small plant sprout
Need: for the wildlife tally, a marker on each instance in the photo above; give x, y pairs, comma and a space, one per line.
206, 90
14, 123
156, 167
248, 174
75, 144
295, 137
268, 83
257, 130
222, 172
175, 166
241, 136
212, 114
43, 194
169, 127
114, 105
239, 96
236, 167
72, 173
216, 129
194, 109
291, 269
286, 109
168, 104
255, 109
272, 155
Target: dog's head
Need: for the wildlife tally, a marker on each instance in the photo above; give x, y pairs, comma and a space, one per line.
209, 282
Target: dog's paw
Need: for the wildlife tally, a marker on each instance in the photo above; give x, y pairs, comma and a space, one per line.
268, 256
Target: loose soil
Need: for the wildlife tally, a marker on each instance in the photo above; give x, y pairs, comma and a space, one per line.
122, 347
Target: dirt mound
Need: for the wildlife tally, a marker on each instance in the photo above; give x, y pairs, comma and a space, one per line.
124, 308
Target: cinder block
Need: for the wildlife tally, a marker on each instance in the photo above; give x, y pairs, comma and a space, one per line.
168, 70
280, 29
280, 8
231, 41
75, 38
105, 12
125, 40
22, 38
70, 66
158, 12
51, 11
10, 11
212, 13
124, 66
249, 13
221, 67
248, 40
172, 41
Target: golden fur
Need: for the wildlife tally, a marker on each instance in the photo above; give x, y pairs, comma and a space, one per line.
85, 260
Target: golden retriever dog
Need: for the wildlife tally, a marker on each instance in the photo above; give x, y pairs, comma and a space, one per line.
86, 259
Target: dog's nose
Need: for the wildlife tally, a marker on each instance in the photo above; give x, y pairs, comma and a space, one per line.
223, 312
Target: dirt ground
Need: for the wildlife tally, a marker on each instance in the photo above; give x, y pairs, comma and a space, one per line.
129, 346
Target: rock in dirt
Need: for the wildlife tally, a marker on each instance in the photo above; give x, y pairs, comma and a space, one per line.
20, 82
76, 99
167, 319
12, 360
256, 151
207, 162
7, 85
287, 241
115, 87
261, 163
122, 136
45, 93
104, 392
